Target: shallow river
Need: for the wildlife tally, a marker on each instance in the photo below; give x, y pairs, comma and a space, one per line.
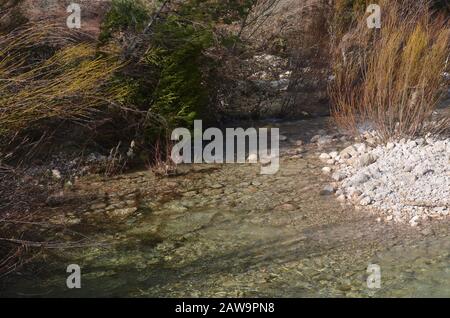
226, 230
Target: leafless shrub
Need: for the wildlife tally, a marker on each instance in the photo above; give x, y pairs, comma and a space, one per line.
162, 164
309, 56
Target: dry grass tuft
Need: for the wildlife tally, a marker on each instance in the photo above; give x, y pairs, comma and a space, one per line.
392, 79
46, 73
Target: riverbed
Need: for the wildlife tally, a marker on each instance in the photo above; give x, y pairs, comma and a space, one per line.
228, 231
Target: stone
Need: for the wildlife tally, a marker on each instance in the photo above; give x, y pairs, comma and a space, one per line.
365, 201
371, 140
266, 161
324, 156
315, 138
338, 176
359, 179
365, 160
295, 152
412, 143
333, 154
68, 184
415, 221
122, 212
98, 206
348, 152
326, 170
252, 158
286, 207
327, 190
361, 148
190, 194
420, 141
390, 145
56, 174
355, 196
324, 140
64, 220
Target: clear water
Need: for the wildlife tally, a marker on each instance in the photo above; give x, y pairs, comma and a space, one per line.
242, 234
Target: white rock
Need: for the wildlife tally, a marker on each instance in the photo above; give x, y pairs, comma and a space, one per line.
390, 145
365, 160
324, 140
415, 221
253, 158
412, 143
326, 170
267, 160
365, 201
400, 179
338, 176
56, 174
348, 152
324, 156
329, 189
361, 148
333, 154
359, 179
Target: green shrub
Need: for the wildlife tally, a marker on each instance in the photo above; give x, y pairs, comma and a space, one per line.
168, 71
124, 15
181, 94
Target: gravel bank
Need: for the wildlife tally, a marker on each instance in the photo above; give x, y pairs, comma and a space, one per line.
407, 181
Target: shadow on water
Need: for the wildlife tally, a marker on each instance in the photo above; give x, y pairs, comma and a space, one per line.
275, 237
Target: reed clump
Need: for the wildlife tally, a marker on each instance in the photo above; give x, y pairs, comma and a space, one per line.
47, 74
391, 79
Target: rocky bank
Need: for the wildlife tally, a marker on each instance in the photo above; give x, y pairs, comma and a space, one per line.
406, 181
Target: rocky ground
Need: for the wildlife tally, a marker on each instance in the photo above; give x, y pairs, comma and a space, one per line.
406, 181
